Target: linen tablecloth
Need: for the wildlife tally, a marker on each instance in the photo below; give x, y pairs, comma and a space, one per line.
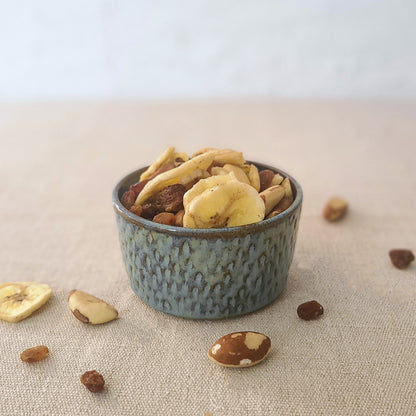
59, 163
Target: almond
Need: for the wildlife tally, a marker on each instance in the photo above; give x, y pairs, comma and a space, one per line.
335, 209
272, 196
240, 349
89, 309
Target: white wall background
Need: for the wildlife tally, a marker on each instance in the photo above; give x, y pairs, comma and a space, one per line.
51, 49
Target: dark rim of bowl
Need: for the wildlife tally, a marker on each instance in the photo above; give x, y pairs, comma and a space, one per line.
205, 232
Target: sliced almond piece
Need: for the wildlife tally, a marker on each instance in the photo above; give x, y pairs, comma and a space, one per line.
89, 309
283, 205
287, 188
271, 197
254, 177
335, 209
277, 180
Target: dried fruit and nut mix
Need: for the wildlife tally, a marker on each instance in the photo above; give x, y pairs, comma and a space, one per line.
214, 188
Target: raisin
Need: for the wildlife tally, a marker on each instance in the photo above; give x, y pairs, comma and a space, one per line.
170, 199
137, 187
401, 258
149, 210
128, 199
34, 354
137, 210
93, 381
266, 177
310, 310
179, 218
166, 218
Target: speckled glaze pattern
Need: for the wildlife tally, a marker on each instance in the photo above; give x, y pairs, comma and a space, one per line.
208, 274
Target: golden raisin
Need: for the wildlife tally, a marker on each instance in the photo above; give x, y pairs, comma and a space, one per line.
166, 218
34, 354
137, 210
93, 381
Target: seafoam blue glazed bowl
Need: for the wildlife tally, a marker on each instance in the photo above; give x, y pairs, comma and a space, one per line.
207, 273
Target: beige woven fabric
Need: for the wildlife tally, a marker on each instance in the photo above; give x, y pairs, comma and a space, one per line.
58, 166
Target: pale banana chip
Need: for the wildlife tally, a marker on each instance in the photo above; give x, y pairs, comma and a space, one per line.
179, 158
18, 300
166, 157
223, 156
218, 170
228, 204
203, 150
204, 184
238, 172
287, 188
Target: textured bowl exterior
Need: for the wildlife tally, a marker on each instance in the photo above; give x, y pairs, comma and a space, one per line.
207, 274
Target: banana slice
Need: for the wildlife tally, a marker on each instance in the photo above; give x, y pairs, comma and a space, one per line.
228, 204
217, 170
164, 158
238, 172
18, 300
204, 184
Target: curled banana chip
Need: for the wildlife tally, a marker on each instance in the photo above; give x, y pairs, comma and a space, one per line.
164, 158
174, 176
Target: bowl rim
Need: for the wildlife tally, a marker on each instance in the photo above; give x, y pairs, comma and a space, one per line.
206, 232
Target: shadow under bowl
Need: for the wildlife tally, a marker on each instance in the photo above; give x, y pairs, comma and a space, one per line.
207, 273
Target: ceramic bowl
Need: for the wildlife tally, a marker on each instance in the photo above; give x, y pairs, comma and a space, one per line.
207, 273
